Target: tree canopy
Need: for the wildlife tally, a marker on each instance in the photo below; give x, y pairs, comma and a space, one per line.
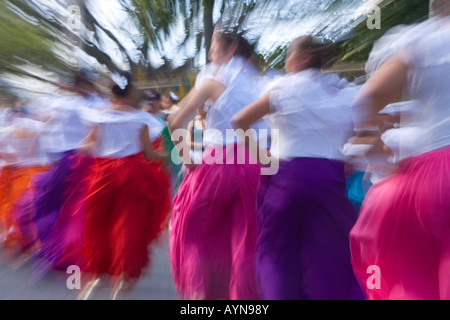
37, 35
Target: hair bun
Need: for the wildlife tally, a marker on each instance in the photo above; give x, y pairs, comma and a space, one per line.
123, 82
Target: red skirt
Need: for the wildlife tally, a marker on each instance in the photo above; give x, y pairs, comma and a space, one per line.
127, 207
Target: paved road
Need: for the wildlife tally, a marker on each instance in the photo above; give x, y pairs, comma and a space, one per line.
18, 281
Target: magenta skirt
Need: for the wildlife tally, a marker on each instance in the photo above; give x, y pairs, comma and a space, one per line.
400, 244
213, 231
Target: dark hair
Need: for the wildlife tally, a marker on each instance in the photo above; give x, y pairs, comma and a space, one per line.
243, 47
317, 49
118, 91
81, 79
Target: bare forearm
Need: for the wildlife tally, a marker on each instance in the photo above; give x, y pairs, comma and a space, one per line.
383, 88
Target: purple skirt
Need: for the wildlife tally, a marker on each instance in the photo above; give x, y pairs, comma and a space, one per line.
65, 216
303, 245
37, 209
49, 194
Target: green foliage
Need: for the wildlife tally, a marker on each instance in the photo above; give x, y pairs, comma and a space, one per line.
152, 17
23, 42
359, 41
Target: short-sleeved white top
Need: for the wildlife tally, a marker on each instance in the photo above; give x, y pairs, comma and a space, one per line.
312, 112
27, 149
67, 129
397, 39
119, 132
241, 80
428, 80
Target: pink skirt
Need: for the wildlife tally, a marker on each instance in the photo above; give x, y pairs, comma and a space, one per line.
213, 231
400, 244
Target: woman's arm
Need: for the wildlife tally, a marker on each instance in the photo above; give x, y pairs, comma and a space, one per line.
252, 113
381, 89
249, 115
183, 102
211, 90
149, 153
90, 142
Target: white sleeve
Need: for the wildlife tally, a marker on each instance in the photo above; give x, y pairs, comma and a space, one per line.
155, 127
275, 90
274, 99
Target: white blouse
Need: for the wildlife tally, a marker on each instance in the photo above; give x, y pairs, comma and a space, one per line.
312, 112
241, 80
428, 79
397, 39
66, 129
20, 136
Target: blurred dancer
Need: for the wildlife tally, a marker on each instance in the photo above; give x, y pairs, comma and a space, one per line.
63, 135
401, 238
213, 227
304, 215
157, 108
128, 198
168, 101
51, 205
164, 143
194, 138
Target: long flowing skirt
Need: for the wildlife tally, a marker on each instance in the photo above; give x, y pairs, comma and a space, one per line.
62, 245
214, 228
400, 244
303, 245
127, 207
50, 192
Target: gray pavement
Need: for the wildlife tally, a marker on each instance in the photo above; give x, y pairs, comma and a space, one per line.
18, 280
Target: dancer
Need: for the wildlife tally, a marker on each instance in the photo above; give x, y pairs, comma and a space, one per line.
64, 133
213, 227
401, 238
128, 199
50, 212
164, 143
194, 138
304, 214
168, 101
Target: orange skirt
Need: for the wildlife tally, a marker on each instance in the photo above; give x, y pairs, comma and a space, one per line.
13, 182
